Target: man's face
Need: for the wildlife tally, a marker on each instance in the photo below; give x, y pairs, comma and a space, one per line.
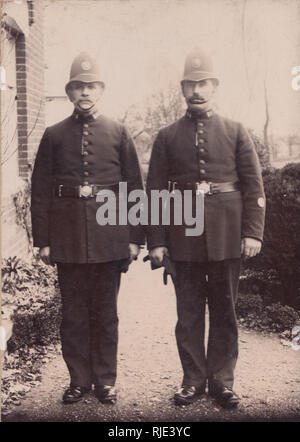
84, 96
198, 94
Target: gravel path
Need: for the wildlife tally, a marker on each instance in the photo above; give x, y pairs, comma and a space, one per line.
149, 371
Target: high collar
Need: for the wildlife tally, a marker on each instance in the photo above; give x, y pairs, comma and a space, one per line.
199, 115
81, 116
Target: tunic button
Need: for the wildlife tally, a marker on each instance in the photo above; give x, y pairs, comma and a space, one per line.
85, 125
202, 171
202, 162
85, 143
86, 173
85, 153
200, 131
85, 163
201, 150
85, 132
85, 183
201, 140
201, 124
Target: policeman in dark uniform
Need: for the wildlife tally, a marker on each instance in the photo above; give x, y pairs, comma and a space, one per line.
78, 157
207, 153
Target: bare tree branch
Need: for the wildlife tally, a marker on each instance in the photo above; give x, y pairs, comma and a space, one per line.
138, 134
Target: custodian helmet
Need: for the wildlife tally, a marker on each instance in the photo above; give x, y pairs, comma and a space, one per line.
84, 68
198, 66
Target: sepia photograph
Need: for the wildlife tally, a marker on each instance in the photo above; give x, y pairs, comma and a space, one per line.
150, 213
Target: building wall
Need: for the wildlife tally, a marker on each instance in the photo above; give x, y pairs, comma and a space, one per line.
30, 88
28, 121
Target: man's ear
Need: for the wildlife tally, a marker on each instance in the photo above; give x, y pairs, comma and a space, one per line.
215, 84
102, 87
182, 87
68, 93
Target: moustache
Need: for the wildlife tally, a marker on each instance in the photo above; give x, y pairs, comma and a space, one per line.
84, 100
197, 99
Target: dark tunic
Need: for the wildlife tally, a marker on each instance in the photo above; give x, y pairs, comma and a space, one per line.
78, 152
226, 154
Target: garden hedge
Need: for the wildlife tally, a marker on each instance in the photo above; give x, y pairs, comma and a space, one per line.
280, 256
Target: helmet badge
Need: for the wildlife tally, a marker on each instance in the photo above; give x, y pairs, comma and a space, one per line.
86, 65
196, 63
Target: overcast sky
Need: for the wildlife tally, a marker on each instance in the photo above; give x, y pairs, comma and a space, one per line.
140, 46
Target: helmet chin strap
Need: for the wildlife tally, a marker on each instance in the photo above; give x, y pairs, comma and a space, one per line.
86, 112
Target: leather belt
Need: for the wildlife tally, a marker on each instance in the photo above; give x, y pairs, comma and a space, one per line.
82, 191
206, 187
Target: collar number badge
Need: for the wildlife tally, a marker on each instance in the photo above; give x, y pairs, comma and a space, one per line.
261, 202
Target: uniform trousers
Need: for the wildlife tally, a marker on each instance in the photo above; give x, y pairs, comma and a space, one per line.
217, 284
89, 327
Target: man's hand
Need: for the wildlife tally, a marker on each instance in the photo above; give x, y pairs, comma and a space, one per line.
45, 255
134, 250
157, 255
250, 247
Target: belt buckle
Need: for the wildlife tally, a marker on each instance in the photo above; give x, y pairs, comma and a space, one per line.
85, 191
203, 187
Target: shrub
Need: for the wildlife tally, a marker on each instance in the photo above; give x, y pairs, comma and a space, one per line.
281, 247
31, 296
265, 283
281, 317
249, 304
31, 300
263, 151
36, 323
252, 313
12, 274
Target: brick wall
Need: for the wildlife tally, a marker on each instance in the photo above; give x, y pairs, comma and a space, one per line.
29, 55
30, 88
